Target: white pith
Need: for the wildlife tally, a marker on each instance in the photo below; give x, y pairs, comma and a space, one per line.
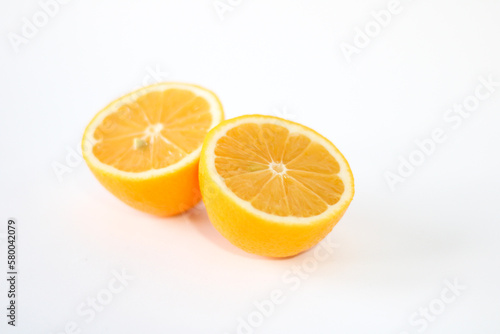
344, 173
89, 140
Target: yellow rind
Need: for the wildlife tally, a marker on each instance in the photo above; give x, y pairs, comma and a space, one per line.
164, 195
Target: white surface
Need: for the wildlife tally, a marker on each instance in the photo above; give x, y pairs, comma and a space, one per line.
395, 248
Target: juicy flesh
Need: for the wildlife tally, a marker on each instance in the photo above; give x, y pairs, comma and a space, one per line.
279, 172
153, 131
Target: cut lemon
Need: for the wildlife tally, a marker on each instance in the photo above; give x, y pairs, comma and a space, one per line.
273, 187
145, 147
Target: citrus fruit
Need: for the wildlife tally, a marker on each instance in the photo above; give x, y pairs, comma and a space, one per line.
273, 187
145, 146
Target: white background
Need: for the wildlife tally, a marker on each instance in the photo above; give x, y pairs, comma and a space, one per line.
395, 249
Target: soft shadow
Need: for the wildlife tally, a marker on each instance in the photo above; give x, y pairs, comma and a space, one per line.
198, 218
